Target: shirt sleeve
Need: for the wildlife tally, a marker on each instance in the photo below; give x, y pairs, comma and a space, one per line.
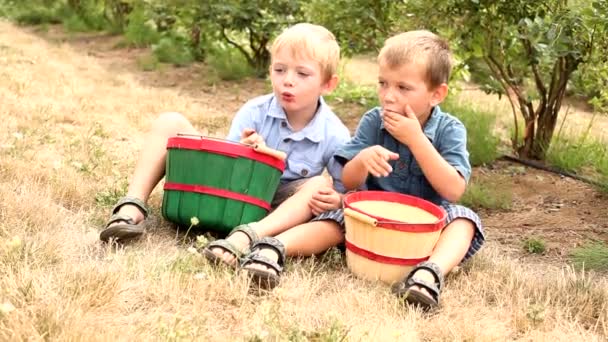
453, 149
366, 135
244, 118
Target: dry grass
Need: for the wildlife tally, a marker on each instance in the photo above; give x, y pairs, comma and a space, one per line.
70, 132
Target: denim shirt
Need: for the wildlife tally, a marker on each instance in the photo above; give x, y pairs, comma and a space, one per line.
447, 134
309, 150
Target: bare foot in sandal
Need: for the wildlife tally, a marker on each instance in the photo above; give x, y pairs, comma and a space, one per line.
422, 287
230, 250
240, 241
125, 222
265, 262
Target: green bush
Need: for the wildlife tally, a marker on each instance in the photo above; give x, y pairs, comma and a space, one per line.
228, 63
482, 142
37, 16
87, 15
141, 31
173, 50
534, 245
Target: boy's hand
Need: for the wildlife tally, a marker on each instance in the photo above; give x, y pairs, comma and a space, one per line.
250, 137
402, 127
326, 198
375, 160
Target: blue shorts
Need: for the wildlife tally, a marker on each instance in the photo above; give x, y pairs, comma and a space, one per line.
454, 211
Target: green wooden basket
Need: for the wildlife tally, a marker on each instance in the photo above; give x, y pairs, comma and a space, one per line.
221, 183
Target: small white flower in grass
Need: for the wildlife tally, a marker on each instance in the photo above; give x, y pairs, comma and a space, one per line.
200, 276
18, 135
194, 221
192, 250
6, 308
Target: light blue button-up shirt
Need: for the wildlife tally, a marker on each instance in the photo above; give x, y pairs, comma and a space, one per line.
447, 134
309, 150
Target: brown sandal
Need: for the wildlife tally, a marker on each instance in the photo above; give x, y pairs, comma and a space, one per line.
265, 279
227, 246
128, 230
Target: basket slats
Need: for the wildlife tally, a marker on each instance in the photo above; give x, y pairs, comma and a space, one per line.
237, 175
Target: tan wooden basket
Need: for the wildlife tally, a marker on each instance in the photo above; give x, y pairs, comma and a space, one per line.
385, 249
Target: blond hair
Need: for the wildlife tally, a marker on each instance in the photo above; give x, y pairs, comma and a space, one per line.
310, 41
421, 47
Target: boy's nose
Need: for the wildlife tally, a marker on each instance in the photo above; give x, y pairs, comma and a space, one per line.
388, 97
288, 80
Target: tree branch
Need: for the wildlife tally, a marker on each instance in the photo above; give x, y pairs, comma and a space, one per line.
537, 77
240, 48
504, 85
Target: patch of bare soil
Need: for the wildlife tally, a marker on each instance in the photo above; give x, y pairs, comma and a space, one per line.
563, 212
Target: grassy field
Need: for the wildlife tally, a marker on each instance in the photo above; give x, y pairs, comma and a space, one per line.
71, 130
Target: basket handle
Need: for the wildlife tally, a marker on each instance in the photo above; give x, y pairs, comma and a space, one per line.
360, 216
262, 148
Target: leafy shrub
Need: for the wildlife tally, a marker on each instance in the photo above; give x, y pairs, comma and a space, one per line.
173, 50
140, 31
228, 63
534, 245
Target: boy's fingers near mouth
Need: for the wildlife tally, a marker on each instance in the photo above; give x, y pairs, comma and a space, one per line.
408, 112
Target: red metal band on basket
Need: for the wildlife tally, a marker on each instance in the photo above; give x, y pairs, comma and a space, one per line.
201, 189
382, 258
226, 148
401, 199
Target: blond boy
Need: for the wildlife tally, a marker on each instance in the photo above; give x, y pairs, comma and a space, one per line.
294, 119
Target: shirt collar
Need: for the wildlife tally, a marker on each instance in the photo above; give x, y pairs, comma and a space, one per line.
315, 129
430, 127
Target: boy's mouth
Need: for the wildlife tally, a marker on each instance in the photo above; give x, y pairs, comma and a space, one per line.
287, 97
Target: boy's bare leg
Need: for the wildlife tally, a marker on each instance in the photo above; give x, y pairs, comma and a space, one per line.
451, 248
292, 212
150, 167
304, 240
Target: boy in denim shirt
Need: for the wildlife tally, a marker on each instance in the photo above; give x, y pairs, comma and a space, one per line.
294, 119
408, 145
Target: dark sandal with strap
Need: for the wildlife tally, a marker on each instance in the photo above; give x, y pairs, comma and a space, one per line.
127, 230
227, 246
265, 279
407, 290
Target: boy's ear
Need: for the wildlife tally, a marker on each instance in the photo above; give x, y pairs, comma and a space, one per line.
439, 94
330, 85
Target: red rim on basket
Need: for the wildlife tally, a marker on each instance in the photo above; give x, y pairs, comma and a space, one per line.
386, 223
224, 147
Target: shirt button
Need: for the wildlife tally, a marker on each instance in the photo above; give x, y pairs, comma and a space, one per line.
283, 124
304, 172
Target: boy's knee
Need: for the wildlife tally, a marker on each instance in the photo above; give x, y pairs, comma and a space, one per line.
172, 121
317, 182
